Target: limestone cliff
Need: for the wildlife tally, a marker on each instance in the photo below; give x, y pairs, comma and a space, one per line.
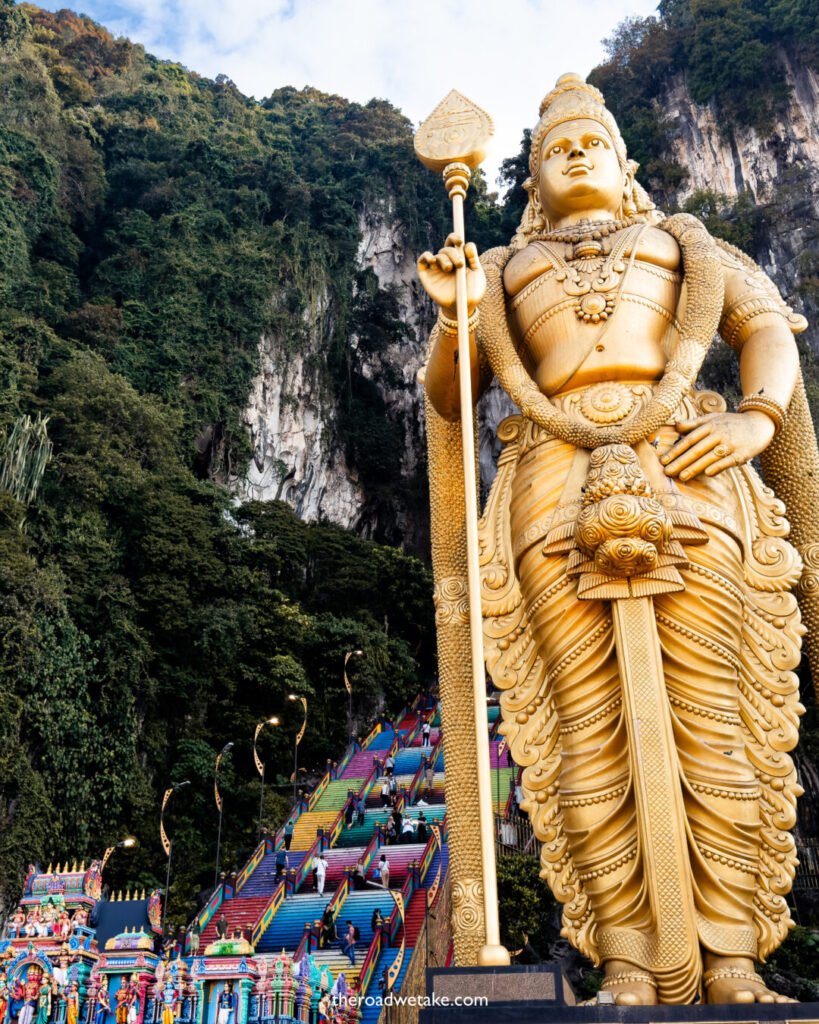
778, 167
290, 415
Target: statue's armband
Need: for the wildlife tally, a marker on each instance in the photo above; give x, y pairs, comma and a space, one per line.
751, 299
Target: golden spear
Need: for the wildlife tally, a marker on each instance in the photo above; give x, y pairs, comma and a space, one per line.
453, 140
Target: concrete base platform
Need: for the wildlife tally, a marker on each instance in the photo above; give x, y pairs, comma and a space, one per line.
540, 994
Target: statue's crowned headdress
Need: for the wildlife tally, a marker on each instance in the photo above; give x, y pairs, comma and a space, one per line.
572, 98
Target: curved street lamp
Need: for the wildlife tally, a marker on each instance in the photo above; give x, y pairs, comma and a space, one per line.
128, 842
260, 765
167, 845
299, 734
219, 803
347, 657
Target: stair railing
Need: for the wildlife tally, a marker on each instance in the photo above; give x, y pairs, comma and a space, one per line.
267, 914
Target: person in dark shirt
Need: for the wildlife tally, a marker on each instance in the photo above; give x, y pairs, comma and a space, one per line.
281, 863
222, 926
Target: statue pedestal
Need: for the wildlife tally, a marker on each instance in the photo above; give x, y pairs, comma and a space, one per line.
540, 994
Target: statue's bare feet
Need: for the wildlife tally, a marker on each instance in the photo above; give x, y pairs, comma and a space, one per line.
732, 979
629, 985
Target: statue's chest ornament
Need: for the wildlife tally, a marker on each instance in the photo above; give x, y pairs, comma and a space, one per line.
593, 279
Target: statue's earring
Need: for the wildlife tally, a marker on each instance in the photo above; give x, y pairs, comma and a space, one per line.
629, 207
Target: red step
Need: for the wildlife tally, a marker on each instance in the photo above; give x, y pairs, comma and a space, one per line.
413, 919
239, 912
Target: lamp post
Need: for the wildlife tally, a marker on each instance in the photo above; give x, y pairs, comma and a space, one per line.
219, 804
167, 845
260, 765
347, 657
299, 734
128, 842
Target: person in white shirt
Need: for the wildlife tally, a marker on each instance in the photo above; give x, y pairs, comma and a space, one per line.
408, 830
384, 870
321, 873
425, 730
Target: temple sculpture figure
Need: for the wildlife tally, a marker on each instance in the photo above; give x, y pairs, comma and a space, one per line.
637, 582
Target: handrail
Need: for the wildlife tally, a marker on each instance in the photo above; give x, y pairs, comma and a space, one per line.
205, 915
304, 867
315, 796
370, 960
376, 729
339, 896
411, 734
267, 914
251, 865
415, 785
352, 748
304, 946
371, 849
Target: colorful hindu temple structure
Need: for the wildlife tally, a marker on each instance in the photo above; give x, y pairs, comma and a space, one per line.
73, 957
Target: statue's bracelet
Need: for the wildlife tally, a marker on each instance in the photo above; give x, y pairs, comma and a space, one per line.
450, 327
762, 403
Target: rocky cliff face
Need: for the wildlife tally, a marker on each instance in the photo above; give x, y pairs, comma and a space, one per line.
290, 416
778, 168
296, 455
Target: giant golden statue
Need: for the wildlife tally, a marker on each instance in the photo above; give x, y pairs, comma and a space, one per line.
636, 579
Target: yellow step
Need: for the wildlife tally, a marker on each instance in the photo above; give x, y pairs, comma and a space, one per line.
304, 831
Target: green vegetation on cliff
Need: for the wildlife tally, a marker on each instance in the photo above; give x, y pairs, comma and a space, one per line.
153, 225
728, 51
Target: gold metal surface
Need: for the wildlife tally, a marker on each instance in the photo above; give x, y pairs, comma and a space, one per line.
456, 131
635, 574
456, 135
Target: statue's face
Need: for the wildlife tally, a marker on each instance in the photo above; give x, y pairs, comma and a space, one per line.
579, 170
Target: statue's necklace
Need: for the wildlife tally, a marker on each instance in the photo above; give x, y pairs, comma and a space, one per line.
598, 293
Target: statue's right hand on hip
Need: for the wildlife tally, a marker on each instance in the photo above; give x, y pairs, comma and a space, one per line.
437, 274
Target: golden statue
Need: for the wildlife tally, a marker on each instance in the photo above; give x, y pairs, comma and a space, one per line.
636, 580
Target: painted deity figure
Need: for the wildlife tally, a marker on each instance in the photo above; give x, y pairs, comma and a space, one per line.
133, 999
4, 997
17, 923
633, 566
44, 1002
226, 1004
32, 987
48, 918
61, 970
17, 995
103, 1002
121, 999
72, 1003
169, 1002
62, 925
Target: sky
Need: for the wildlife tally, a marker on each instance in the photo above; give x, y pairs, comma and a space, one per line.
504, 55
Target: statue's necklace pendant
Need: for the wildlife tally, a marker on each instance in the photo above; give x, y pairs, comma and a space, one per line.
592, 307
596, 294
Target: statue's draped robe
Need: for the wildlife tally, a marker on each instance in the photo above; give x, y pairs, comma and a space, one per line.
730, 641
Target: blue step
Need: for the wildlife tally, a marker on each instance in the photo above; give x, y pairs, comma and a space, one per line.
262, 880
383, 741
371, 1013
407, 761
287, 927
359, 907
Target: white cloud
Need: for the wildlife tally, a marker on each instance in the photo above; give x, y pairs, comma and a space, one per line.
505, 54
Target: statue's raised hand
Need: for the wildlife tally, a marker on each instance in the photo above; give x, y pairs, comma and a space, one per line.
437, 274
717, 441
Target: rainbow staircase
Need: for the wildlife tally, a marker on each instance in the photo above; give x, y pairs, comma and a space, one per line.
285, 915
